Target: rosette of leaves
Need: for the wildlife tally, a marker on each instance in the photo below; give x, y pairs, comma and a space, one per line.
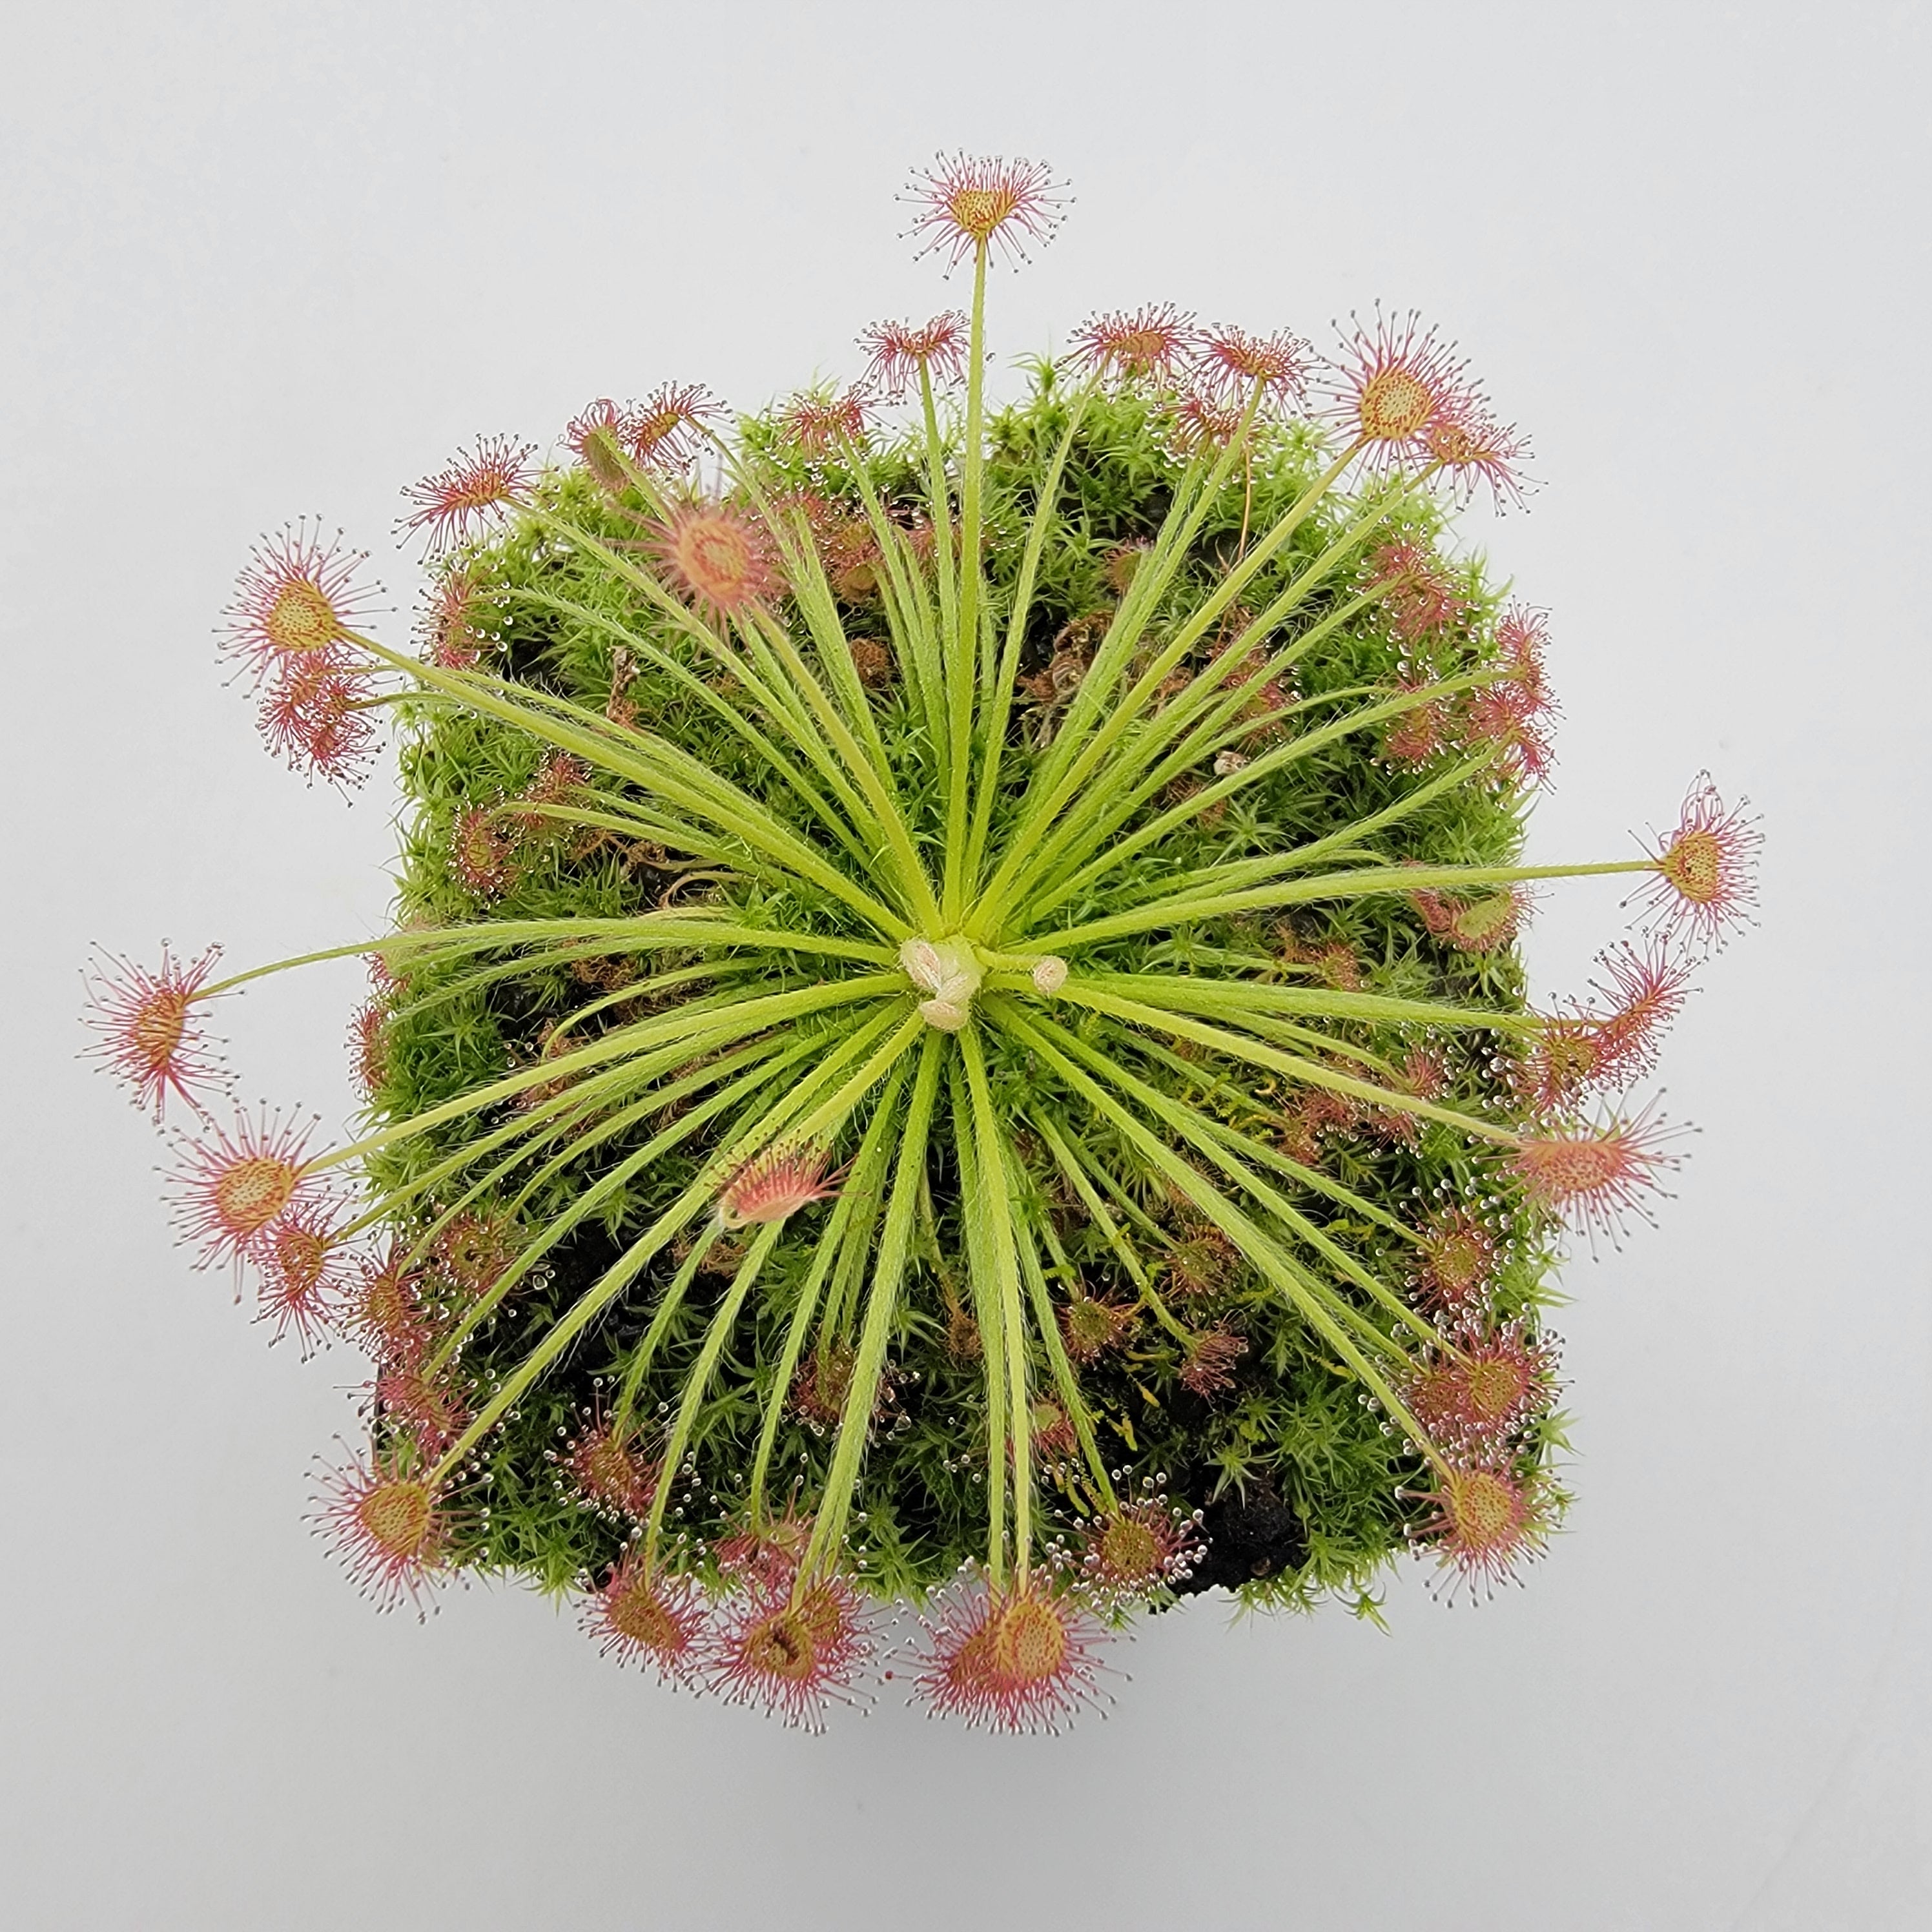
954, 1005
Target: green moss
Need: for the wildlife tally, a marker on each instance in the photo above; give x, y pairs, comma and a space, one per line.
1294, 1423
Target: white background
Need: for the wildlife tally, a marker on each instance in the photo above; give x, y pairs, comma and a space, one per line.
262, 259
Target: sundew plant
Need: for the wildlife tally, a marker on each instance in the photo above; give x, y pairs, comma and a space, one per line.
952, 1050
